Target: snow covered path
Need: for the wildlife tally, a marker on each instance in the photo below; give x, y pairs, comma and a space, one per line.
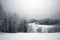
29, 36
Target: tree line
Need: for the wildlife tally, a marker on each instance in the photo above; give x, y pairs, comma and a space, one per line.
11, 23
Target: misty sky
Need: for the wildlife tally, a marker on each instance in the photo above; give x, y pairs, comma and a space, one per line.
33, 9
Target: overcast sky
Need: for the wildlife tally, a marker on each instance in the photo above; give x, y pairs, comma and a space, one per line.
33, 9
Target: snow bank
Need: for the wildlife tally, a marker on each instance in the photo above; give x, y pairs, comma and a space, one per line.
30, 36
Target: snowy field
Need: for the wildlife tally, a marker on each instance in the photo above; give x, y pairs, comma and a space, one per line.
29, 36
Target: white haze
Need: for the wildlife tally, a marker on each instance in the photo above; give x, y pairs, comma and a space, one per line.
33, 9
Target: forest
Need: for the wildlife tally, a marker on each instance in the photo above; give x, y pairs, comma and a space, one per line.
11, 23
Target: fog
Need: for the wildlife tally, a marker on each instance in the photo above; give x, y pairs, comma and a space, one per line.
33, 9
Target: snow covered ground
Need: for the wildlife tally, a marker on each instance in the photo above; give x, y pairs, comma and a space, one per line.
29, 36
